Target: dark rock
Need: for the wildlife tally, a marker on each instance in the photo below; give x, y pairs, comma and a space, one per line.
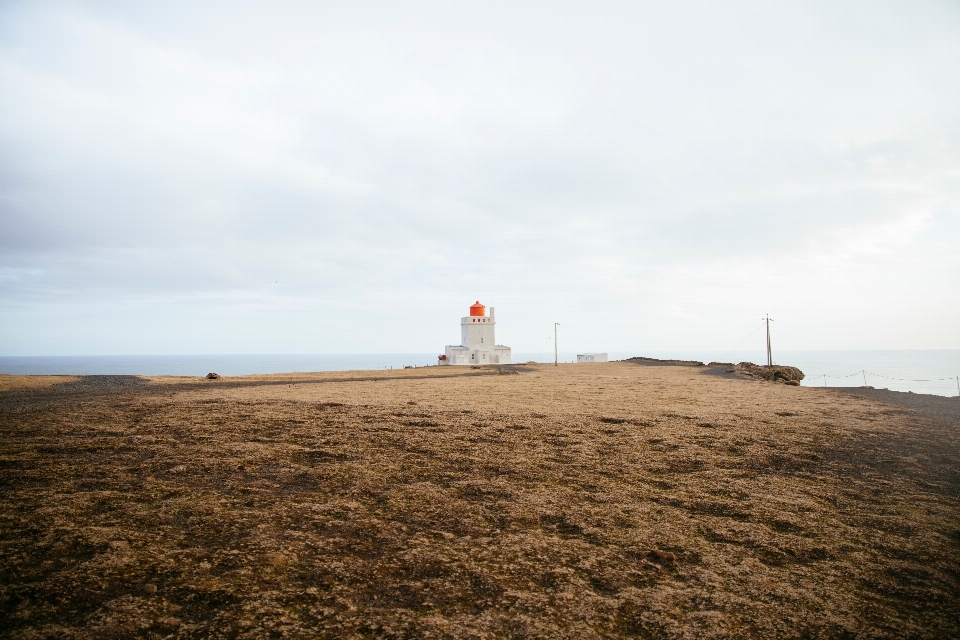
213, 376
661, 557
771, 373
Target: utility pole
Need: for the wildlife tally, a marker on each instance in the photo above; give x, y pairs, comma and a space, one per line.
769, 353
555, 352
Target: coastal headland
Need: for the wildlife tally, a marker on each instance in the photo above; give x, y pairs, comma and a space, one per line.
584, 500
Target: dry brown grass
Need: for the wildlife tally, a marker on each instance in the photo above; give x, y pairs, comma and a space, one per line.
575, 501
13, 383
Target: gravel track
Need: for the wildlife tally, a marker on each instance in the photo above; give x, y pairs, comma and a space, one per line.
939, 407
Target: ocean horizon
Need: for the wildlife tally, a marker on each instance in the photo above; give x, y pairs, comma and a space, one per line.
920, 371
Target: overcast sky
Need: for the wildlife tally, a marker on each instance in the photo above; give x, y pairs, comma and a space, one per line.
350, 177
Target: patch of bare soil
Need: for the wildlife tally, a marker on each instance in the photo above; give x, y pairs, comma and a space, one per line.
604, 500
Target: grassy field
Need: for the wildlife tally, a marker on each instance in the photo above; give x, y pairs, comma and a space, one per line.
12, 383
579, 501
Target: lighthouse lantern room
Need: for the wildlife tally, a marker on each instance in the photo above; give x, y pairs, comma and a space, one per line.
477, 343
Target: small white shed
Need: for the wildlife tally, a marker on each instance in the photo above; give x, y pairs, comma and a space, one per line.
591, 357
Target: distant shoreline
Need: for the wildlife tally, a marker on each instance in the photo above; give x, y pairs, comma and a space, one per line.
921, 371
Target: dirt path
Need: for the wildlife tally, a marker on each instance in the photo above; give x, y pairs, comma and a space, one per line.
939, 407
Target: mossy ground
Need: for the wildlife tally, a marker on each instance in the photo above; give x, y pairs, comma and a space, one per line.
576, 501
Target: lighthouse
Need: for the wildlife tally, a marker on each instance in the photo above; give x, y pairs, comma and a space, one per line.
477, 342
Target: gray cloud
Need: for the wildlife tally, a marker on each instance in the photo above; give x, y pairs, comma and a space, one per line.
618, 165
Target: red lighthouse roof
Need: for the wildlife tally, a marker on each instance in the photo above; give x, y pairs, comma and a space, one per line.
478, 309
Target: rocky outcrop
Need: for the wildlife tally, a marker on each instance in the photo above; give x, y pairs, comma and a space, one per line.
655, 361
771, 373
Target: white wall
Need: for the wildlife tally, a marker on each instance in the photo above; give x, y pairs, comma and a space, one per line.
477, 332
591, 357
478, 336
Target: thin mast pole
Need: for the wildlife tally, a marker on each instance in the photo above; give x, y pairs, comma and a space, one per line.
555, 352
769, 353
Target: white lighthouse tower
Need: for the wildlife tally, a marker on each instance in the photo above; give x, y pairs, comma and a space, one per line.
477, 343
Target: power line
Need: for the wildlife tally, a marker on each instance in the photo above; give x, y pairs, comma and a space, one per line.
750, 335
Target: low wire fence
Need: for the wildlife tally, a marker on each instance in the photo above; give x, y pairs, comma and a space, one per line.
944, 385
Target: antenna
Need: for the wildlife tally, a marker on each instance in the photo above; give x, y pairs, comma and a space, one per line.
769, 352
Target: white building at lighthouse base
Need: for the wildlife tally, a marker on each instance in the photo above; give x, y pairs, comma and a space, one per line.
477, 342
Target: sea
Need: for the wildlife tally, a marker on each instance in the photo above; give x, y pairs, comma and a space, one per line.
920, 371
